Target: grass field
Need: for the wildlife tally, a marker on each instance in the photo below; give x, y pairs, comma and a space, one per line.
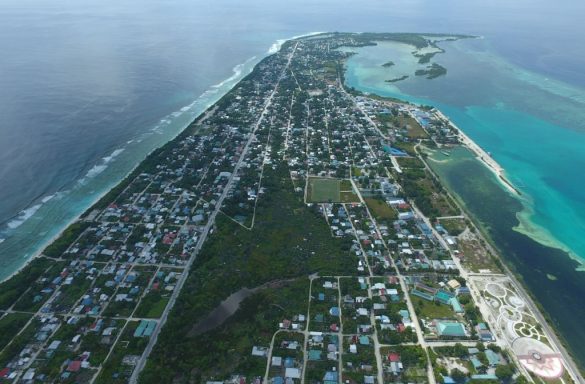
454, 226
322, 190
410, 162
431, 310
412, 127
381, 210
326, 190
349, 197
415, 131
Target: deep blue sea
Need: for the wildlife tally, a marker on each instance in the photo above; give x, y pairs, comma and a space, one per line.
89, 88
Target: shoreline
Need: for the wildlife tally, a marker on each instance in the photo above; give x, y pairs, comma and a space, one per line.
524, 221
481, 155
524, 225
39, 252
555, 338
490, 163
274, 47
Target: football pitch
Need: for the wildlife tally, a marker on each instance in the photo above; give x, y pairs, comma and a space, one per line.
327, 190
323, 190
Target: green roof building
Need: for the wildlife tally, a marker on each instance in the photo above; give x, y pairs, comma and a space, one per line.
450, 329
493, 358
456, 305
314, 354
443, 297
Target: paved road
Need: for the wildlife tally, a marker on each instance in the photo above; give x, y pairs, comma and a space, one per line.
521, 291
410, 306
152, 342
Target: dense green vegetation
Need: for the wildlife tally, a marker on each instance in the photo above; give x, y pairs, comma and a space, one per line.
33, 298
18, 343
288, 240
427, 193
227, 348
60, 245
432, 71
13, 288
10, 325
396, 79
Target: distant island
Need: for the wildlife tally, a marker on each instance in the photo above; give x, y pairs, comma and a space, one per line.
388, 64
424, 58
432, 71
294, 231
397, 79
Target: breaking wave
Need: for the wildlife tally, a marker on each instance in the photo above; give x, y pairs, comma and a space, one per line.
275, 47
102, 166
23, 216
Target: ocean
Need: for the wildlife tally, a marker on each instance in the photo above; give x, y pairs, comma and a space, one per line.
88, 89
534, 127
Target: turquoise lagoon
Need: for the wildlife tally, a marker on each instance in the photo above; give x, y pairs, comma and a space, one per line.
535, 128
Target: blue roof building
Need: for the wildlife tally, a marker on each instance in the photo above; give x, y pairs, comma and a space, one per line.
289, 362
330, 377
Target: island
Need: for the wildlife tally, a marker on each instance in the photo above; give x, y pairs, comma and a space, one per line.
432, 71
294, 232
397, 79
388, 64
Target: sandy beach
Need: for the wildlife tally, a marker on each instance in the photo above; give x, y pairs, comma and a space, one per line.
481, 155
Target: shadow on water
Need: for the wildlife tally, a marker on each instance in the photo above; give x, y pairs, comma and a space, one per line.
229, 306
223, 311
550, 275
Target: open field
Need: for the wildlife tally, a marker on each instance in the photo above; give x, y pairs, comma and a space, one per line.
381, 210
322, 190
475, 256
326, 190
454, 226
408, 124
431, 310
